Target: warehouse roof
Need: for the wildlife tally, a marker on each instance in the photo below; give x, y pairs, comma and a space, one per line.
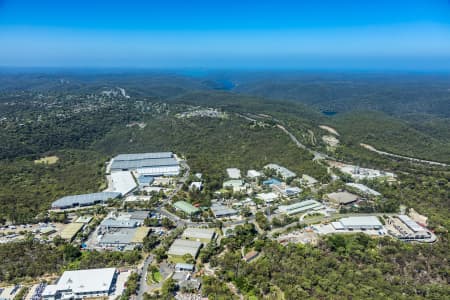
135, 164
199, 233
138, 214
85, 199
159, 171
363, 188
337, 225
300, 207
85, 281
234, 173
342, 197
186, 207
70, 230
253, 173
361, 221
50, 290
119, 223
181, 247
292, 190
145, 179
410, 223
120, 236
140, 156
83, 219
220, 210
233, 183
122, 182
308, 179
139, 234
267, 197
184, 267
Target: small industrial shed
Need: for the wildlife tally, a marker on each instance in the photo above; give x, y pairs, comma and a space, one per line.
184, 267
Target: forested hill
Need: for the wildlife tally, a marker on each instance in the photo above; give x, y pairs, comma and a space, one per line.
395, 94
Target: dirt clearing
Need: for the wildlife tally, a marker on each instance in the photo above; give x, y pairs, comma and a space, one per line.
329, 129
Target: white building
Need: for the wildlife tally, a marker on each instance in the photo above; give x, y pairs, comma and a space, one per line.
358, 223
82, 284
122, 182
196, 185
253, 174
267, 197
234, 173
159, 171
236, 185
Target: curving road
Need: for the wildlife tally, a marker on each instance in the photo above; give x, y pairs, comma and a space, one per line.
373, 149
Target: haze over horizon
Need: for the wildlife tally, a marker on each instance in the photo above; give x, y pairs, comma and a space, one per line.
354, 35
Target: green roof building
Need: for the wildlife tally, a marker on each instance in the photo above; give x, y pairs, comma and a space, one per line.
186, 207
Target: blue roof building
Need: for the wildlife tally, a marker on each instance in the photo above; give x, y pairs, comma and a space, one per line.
272, 181
145, 180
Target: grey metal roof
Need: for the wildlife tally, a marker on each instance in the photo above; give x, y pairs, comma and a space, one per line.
142, 163
119, 237
181, 247
84, 199
363, 221
410, 223
184, 266
221, 210
139, 214
140, 156
118, 223
199, 233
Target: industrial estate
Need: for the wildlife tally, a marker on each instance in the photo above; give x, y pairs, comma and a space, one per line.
147, 197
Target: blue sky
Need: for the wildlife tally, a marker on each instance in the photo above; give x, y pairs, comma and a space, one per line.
382, 35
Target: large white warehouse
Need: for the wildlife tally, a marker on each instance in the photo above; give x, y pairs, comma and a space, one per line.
358, 223
149, 164
82, 284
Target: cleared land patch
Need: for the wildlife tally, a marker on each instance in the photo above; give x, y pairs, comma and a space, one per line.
48, 160
329, 129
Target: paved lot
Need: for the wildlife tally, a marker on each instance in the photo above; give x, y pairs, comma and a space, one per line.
120, 285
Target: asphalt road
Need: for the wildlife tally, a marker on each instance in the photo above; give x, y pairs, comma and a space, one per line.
143, 286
